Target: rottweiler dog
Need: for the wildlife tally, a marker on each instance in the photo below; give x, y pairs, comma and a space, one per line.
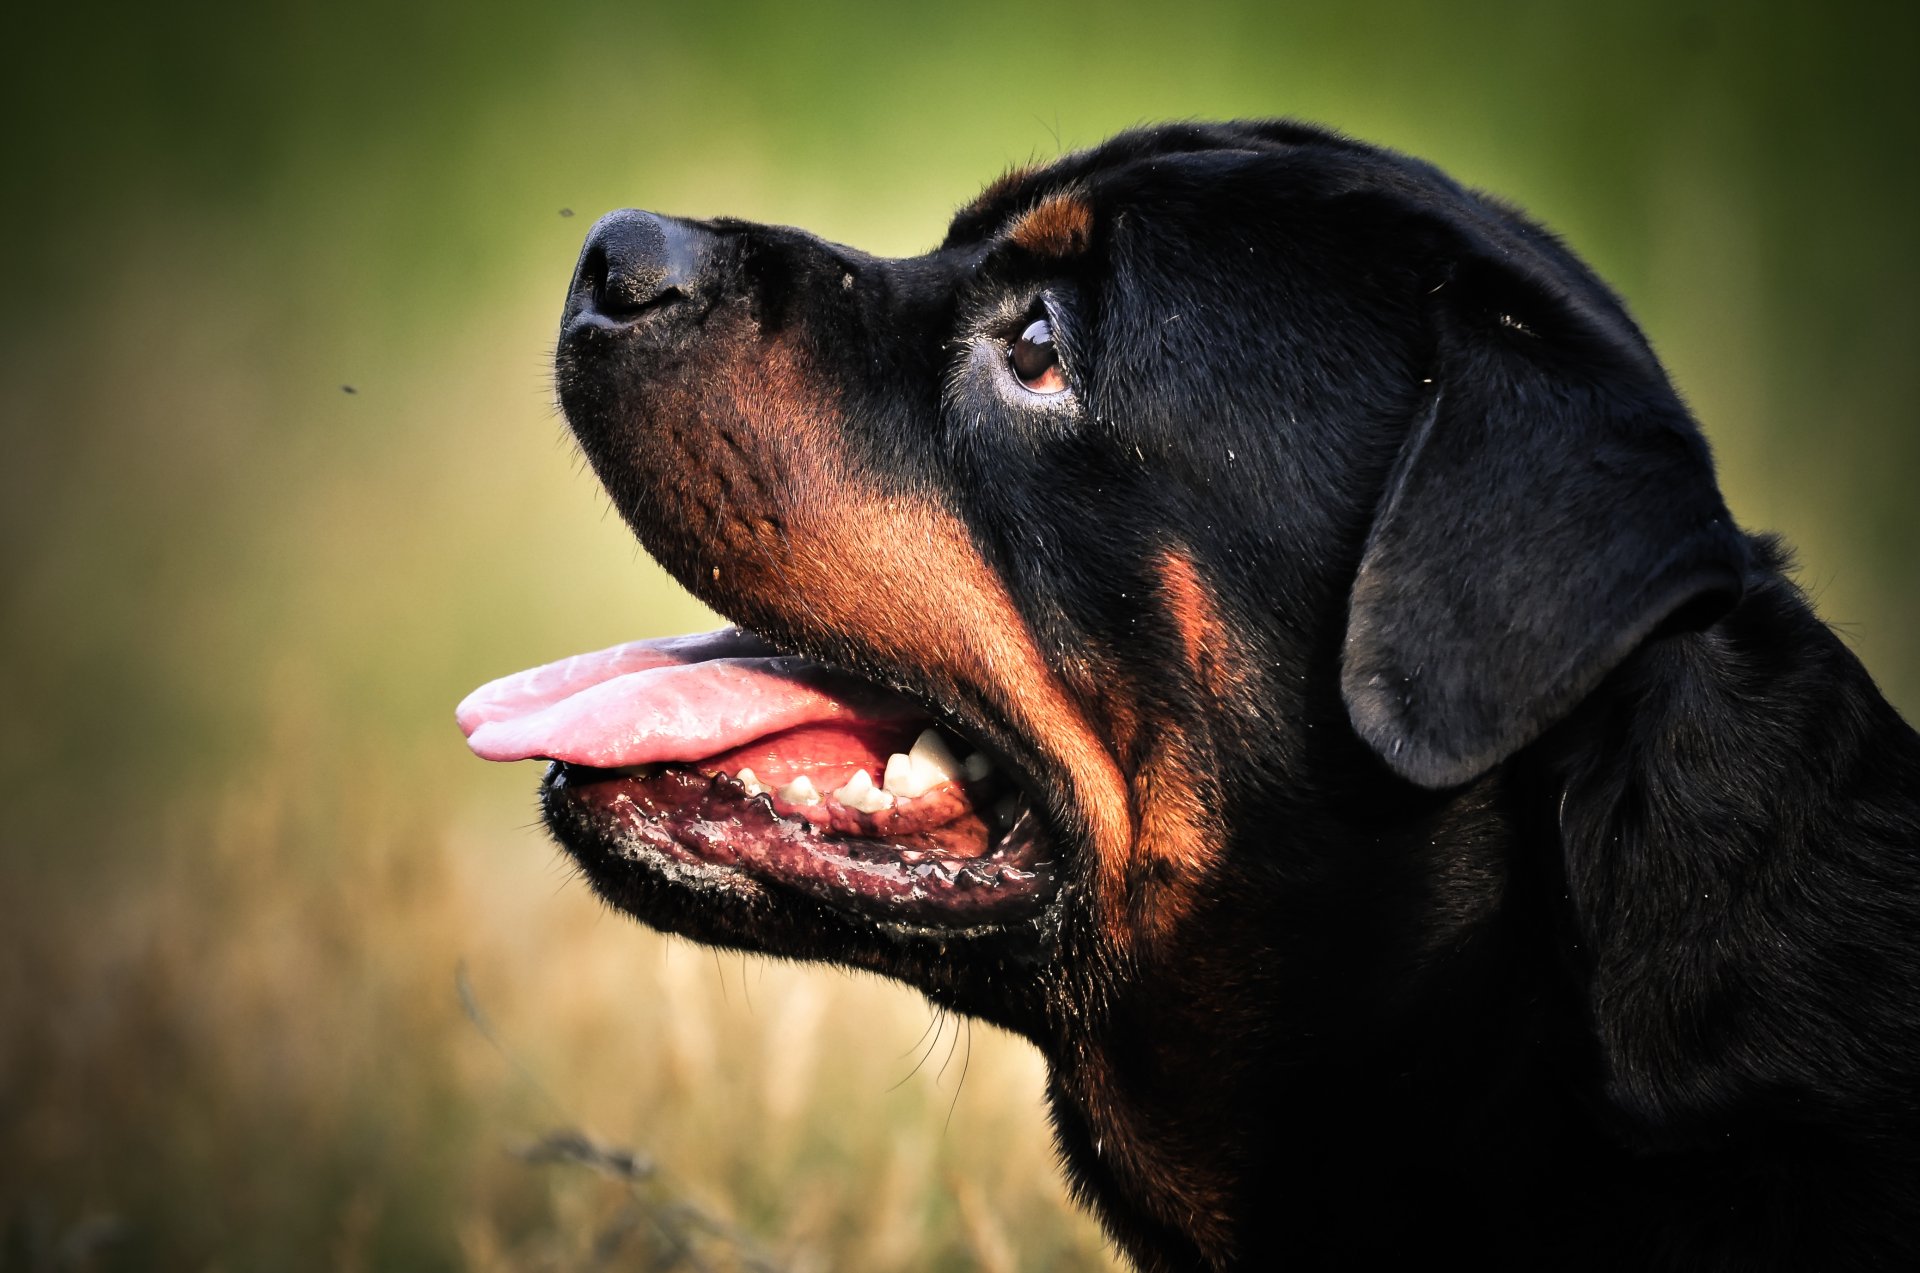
1254, 618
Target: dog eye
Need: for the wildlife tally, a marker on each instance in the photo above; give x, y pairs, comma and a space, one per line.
1034, 359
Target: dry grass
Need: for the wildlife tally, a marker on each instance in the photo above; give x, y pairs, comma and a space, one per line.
244, 1045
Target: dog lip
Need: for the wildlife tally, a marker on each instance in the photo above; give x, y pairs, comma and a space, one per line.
704, 831
1029, 767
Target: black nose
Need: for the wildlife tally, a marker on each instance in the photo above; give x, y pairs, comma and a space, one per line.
634, 262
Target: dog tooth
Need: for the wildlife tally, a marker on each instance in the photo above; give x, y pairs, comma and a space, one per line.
977, 766
800, 791
901, 779
931, 754
861, 795
751, 781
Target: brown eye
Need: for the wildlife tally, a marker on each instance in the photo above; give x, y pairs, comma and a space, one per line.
1034, 359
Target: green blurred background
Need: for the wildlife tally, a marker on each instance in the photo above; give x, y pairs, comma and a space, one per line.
242, 851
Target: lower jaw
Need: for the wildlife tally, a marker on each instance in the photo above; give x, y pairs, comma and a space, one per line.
696, 833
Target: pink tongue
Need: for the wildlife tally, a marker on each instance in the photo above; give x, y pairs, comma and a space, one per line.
543, 686
682, 698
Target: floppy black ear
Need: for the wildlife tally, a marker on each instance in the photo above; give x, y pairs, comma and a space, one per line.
1551, 508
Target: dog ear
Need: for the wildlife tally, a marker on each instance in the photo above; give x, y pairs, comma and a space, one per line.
1553, 506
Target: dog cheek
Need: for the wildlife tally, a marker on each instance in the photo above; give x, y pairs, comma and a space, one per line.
1176, 848
1176, 786
815, 542
933, 603
1161, 720
1218, 664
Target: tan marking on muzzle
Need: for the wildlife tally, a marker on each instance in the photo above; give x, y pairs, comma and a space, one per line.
898, 573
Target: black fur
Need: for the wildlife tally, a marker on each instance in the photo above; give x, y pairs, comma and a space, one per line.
1558, 901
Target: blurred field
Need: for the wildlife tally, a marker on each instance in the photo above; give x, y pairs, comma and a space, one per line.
243, 855
257, 1058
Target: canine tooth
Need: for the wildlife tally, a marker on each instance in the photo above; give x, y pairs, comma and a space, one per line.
920, 770
930, 752
860, 794
751, 781
977, 766
800, 791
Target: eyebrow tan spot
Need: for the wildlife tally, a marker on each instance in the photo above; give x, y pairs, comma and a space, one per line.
1059, 225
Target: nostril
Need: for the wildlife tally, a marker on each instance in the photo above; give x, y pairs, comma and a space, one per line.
665, 296
623, 295
627, 285
590, 277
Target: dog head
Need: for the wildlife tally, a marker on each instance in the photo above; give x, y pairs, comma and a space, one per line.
1225, 499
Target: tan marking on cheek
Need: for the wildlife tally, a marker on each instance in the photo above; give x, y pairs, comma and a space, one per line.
1179, 841
934, 602
1216, 658
1058, 226
1114, 701
1147, 893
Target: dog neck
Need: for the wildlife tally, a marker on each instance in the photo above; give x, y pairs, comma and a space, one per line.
1556, 987
1738, 825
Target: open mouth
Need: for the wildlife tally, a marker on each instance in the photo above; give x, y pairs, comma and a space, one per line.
716, 755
